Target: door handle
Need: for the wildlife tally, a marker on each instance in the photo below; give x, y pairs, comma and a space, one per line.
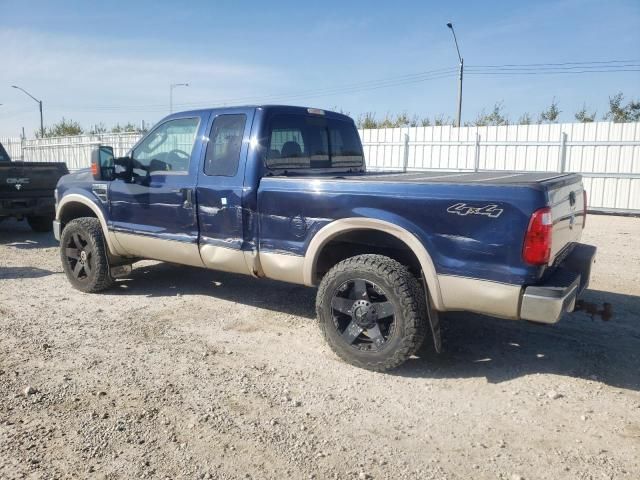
187, 195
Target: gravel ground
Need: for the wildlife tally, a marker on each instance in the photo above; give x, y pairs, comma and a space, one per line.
187, 373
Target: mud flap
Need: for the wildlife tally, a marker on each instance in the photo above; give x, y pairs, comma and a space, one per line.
120, 271
433, 317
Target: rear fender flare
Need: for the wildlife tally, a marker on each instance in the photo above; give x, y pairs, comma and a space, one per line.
338, 227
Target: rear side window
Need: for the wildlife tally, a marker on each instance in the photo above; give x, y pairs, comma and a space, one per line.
306, 141
225, 142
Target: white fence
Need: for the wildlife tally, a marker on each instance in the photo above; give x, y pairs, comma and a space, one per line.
606, 154
74, 151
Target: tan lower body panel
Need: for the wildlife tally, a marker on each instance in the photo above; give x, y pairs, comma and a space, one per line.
226, 259
157, 249
280, 266
480, 296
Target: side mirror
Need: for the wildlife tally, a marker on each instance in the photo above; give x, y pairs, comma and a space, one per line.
102, 164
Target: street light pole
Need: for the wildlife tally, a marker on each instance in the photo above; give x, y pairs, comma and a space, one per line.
171, 87
461, 71
39, 105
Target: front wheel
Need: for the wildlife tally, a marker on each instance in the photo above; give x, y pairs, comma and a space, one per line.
84, 255
371, 312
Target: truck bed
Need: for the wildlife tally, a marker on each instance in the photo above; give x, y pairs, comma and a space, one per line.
465, 218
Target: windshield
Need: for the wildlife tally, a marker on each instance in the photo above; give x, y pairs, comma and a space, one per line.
309, 141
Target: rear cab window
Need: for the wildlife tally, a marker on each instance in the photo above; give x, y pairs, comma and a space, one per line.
298, 141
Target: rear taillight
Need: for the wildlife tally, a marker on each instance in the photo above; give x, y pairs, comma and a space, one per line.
537, 241
584, 219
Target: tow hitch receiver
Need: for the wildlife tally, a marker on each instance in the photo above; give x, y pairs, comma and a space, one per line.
606, 313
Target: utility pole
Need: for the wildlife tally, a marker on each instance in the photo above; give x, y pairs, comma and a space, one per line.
39, 105
461, 60
171, 87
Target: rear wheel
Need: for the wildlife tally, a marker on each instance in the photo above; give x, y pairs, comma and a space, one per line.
84, 255
40, 223
371, 312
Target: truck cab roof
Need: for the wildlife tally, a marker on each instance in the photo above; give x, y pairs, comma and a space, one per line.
269, 109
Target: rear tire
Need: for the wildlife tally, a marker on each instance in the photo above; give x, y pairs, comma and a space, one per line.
40, 223
371, 312
84, 255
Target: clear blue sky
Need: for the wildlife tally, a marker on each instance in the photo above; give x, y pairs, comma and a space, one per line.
113, 61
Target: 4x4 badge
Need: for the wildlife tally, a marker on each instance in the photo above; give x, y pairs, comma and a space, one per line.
463, 209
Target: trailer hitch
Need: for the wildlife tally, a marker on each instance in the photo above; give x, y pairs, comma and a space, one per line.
606, 313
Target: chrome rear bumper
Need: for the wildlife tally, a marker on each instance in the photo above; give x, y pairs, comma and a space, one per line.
547, 302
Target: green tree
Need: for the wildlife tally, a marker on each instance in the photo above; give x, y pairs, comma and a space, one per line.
98, 128
64, 128
525, 119
387, 122
551, 114
367, 120
620, 113
127, 128
495, 118
440, 120
583, 116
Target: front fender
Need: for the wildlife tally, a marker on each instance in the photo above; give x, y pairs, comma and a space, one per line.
74, 197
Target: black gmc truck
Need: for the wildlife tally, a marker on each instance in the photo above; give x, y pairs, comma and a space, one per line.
27, 190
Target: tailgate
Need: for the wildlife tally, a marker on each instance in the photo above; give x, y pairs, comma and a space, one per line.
23, 177
567, 202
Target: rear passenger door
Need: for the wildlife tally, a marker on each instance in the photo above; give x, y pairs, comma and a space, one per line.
220, 192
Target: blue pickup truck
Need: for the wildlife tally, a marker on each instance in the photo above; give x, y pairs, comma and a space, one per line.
282, 192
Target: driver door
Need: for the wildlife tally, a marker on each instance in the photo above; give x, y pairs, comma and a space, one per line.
155, 214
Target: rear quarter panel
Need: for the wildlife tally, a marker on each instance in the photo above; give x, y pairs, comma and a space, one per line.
293, 210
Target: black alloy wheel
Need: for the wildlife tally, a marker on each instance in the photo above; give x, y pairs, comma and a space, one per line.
80, 256
84, 255
371, 311
363, 315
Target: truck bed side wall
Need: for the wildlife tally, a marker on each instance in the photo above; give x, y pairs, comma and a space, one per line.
474, 245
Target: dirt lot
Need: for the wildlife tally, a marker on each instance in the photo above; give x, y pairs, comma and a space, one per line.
186, 373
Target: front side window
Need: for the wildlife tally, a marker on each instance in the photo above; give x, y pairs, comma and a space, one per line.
167, 148
225, 142
308, 141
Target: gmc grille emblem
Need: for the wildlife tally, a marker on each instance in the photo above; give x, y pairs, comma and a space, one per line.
17, 182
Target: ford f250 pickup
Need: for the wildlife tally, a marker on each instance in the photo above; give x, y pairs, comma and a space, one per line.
26, 190
282, 192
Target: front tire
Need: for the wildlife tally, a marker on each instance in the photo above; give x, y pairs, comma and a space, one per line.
40, 223
371, 312
84, 255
